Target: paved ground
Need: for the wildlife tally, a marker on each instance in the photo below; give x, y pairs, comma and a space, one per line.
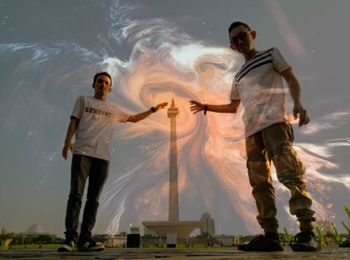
329, 253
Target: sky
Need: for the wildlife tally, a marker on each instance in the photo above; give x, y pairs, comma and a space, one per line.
157, 50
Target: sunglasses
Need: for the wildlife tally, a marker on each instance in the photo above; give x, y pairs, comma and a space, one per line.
242, 36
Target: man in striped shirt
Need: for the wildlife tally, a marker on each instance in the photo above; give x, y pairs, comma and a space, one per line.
258, 85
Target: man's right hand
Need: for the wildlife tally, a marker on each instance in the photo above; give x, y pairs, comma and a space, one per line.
161, 105
65, 150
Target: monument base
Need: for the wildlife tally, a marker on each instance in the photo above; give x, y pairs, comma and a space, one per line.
182, 229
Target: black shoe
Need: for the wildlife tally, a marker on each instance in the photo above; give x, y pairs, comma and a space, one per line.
90, 245
345, 243
261, 244
67, 246
305, 241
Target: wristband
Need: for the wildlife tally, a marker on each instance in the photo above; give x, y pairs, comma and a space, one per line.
153, 109
205, 108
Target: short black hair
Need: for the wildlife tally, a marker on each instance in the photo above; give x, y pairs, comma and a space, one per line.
100, 74
236, 24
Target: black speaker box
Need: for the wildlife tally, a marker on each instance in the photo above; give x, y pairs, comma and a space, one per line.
133, 240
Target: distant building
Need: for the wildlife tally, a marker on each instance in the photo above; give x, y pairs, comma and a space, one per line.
4, 231
227, 240
35, 229
134, 230
116, 241
36, 234
207, 225
149, 232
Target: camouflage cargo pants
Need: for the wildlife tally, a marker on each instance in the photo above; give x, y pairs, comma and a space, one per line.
274, 144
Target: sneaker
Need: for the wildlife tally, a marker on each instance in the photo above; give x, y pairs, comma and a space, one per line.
262, 244
67, 246
90, 245
305, 241
345, 243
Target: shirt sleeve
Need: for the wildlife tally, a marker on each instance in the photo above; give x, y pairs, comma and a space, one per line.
279, 62
234, 92
78, 107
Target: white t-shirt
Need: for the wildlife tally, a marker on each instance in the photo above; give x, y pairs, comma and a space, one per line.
259, 86
96, 125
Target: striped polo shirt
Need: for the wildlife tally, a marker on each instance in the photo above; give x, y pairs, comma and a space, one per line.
259, 86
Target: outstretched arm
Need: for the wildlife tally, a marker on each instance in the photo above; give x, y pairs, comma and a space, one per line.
294, 91
72, 128
226, 108
143, 115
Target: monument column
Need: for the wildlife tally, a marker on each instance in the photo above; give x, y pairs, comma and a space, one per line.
173, 228
173, 184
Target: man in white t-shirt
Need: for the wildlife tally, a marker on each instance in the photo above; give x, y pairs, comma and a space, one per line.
258, 85
92, 121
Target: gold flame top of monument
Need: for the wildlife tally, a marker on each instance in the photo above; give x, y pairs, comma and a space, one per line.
173, 110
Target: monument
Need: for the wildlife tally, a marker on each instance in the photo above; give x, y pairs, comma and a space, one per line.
173, 229
173, 171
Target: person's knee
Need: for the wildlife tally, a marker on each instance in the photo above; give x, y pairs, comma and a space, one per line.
73, 196
286, 161
92, 203
258, 172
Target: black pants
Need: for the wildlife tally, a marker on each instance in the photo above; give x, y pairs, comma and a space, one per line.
97, 171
